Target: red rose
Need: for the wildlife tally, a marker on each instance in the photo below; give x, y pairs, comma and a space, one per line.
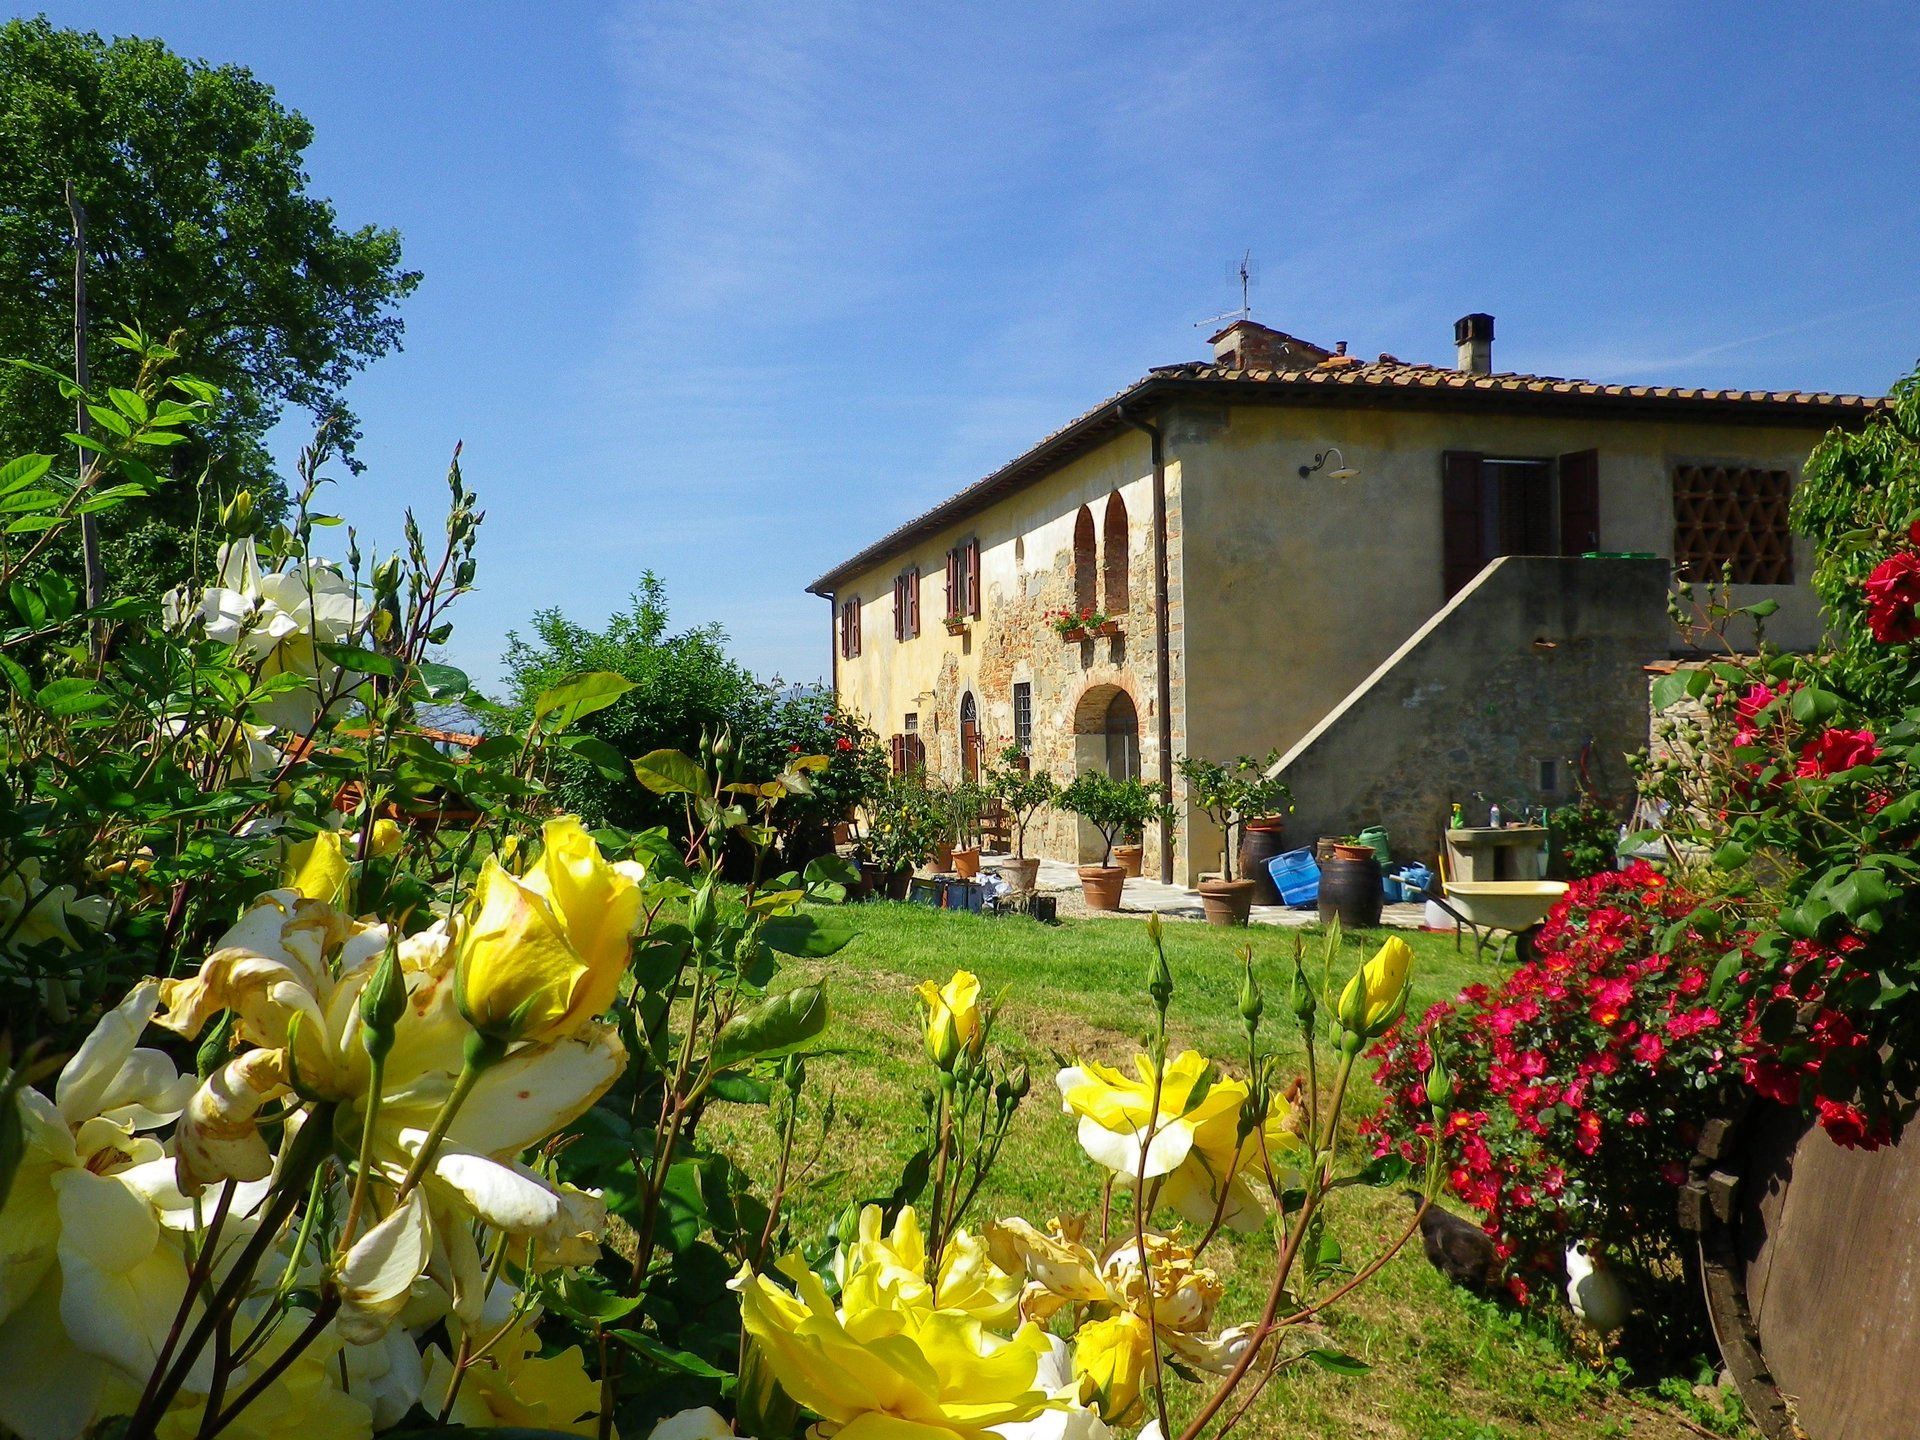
1893, 598
1832, 751
1848, 1126
843, 743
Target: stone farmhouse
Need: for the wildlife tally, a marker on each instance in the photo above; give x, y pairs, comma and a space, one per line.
1416, 582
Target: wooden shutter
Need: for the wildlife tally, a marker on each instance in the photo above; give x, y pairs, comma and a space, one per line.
1462, 483
899, 607
913, 601
1580, 502
953, 582
896, 754
855, 616
973, 578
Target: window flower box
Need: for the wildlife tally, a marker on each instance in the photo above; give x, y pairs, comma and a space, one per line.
957, 624
1073, 626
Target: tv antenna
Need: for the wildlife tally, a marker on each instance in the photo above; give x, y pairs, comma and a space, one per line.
1247, 273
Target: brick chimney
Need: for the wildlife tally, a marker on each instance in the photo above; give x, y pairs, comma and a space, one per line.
1249, 345
1473, 344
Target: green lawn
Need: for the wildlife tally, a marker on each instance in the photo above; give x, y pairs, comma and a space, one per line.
1445, 1366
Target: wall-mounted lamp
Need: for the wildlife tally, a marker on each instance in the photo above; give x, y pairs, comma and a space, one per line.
1342, 471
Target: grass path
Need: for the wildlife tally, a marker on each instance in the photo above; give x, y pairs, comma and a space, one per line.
1445, 1366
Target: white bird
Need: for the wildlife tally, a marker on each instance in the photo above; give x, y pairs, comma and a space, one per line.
1599, 1297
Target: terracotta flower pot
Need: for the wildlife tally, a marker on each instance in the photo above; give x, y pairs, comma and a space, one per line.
1128, 858
1102, 884
1226, 902
942, 858
1342, 850
897, 884
966, 862
1019, 872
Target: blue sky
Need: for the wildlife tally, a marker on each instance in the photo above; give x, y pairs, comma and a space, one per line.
726, 291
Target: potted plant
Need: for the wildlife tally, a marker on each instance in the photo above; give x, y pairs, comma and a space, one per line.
957, 623
1228, 794
1022, 795
965, 802
1114, 808
1131, 854
1082, 624
903, 833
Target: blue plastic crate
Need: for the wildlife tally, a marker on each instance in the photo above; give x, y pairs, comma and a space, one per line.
1296, 875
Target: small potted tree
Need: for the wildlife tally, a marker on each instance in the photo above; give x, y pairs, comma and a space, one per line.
1114, 808
903, 833
965, 801
1229, 795
1022, 795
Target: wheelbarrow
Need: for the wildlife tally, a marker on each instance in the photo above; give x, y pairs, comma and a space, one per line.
1509, 909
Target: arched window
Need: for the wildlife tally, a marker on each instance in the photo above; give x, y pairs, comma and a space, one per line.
1114, 560
1086, 580
1123, 738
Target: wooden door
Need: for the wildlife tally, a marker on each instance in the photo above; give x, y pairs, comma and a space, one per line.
969, 737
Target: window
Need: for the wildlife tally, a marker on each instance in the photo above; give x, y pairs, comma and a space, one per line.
1732, 520
969, 737
963, 580
1086, 591
850, 627
908, 751
1114, 560
906, 604
1023, 716
1492, 506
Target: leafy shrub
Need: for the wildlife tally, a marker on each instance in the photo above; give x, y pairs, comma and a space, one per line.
1579, 1084
684, 689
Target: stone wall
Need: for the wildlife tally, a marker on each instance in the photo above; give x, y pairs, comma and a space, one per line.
1530, 663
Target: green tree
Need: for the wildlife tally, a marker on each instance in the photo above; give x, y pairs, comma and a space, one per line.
684, 684
199, 228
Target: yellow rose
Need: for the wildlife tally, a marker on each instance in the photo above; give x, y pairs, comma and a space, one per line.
542, 954
1375, 997
1117, 1110
317, 868
386, 839
1111, 1359
953, 1018
885, 1363
968, 1280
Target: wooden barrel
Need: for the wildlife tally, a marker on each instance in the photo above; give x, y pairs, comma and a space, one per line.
1258, 845
1351, 890
1810, 1255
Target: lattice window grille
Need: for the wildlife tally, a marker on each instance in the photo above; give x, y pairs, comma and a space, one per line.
1733, 517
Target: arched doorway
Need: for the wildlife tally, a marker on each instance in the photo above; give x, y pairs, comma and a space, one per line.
969, 737
1106, 737
1123, 737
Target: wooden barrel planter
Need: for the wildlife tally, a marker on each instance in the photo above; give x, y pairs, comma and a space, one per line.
1810, 1258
